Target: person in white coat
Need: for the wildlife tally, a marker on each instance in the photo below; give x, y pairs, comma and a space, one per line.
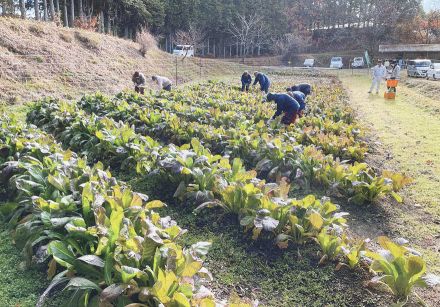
394, 73
163, 83
379, 73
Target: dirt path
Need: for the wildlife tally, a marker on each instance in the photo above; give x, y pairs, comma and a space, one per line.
408, 140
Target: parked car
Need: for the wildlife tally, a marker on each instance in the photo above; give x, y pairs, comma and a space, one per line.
184, 50
418, 68
309, 62
358, 62
336, 62
433, 71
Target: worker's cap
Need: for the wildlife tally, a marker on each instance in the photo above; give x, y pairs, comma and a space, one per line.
270, 97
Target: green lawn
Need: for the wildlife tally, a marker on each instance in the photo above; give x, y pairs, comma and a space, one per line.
409, 132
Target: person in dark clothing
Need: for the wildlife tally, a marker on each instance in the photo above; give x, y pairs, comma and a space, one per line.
305, 88
300, 97
263, 80
285, 104
246, 81
139, 82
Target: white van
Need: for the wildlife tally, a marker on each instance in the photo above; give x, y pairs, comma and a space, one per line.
309, 63
358, 62
336, 62
418, 68
184, 50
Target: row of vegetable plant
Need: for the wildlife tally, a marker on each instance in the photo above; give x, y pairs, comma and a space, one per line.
272, 157
100, 239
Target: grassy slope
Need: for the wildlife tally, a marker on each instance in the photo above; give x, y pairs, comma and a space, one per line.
39, 58
408, 134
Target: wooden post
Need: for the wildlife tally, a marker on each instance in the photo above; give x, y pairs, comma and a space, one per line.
177, 81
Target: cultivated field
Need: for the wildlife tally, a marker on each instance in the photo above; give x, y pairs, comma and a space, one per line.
274, 213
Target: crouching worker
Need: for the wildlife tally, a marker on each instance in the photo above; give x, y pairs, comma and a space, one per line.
285, 104
300, 97
139, 82
163, 83
263, 80
304, 88
246, 81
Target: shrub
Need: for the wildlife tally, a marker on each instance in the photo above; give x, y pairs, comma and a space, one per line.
88, 40
86, 24
66, 36
37, 29
146, 41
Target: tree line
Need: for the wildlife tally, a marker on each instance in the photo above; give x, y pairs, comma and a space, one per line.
233, 27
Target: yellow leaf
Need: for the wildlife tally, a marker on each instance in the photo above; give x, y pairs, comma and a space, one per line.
256, 233
52, 269
181, 300
207, 302
316, 220
154, 204
396, 250
191, 269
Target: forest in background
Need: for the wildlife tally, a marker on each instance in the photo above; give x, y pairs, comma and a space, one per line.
228, 28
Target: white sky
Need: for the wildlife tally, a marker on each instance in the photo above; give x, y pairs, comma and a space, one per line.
431, 4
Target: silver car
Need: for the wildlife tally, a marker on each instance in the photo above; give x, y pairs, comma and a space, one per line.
418, 68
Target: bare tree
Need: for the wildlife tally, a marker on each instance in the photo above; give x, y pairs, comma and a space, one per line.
37, 9
66, 18
244, 30
45, 11
52, 10
72, 13
22, 9
194, 37
260, 37
291, 42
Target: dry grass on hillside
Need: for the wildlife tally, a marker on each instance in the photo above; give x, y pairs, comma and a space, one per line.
39, 59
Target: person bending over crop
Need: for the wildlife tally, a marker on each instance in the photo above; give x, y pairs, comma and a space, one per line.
304, 88
163, 83
263, 80
246, 81
300, 97
139, 82
285, 104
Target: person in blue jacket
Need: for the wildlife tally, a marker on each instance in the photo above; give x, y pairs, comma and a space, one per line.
305, 88
246, 81
285, 104
300, 97
263, 80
